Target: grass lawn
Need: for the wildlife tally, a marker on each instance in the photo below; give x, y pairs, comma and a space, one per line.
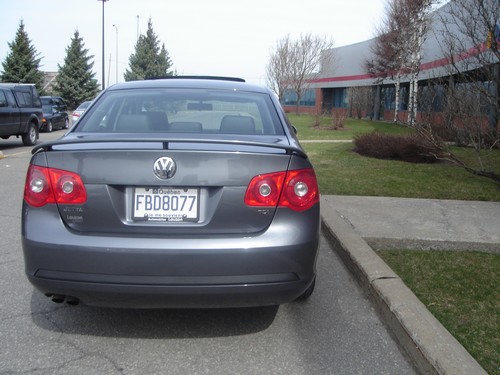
460, 288
343, 172
353, 127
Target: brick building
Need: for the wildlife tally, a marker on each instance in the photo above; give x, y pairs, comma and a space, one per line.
346, 85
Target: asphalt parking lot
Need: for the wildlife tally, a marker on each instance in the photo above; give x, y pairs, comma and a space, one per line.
336, 332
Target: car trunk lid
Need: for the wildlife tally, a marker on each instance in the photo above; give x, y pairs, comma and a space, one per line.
204, 196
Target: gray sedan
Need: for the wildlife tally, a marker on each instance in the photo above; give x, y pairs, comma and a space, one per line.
179, 192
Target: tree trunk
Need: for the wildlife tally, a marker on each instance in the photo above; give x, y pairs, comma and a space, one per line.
396, 101
494, 93
376, 106
412, 100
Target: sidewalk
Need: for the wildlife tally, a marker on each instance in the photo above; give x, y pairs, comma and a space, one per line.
357, 225
426, 224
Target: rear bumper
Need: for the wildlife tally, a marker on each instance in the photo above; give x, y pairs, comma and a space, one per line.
270, 268
173, 296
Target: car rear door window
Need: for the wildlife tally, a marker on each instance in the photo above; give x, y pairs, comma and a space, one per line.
3, 99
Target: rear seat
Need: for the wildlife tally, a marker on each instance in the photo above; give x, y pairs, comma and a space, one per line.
185, 127
143, 122
133, 123
158, 121
234, 124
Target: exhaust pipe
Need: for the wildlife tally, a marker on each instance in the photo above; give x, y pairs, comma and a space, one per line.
58, 298
72, 301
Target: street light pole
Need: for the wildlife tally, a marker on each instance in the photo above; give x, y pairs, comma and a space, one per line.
116, 27
103, 59
137, 28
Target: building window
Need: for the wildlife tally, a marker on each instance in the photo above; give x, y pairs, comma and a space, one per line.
340, 98
388, 95
308, 98
431, 98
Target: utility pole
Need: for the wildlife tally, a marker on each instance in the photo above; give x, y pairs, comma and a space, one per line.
116, 27
137, 27
103, 59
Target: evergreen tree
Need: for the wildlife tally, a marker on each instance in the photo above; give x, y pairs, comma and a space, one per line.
22, 63
75, 81
149, 60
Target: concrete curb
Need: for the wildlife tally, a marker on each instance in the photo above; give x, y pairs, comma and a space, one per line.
378, 243
430, 346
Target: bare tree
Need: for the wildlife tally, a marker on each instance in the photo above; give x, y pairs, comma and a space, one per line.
277, 69
469, 32
293, 64
397, 48
468, 130
306, 57
388, 52
418, 20
361, 101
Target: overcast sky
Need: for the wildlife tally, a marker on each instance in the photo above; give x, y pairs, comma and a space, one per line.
202, 37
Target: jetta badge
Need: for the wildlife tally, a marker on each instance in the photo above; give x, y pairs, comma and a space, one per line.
164, 167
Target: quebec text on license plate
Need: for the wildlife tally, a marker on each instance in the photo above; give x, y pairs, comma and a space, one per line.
166, 204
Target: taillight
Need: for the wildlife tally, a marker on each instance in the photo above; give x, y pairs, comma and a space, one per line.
301, 190
297, 190
265, 190
48, 185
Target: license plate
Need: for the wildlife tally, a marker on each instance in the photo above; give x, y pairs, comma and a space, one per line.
166, 204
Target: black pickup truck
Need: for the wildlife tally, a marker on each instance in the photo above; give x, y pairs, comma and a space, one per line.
20, 112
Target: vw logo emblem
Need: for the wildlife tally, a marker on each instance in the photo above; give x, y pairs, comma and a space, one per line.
164, 167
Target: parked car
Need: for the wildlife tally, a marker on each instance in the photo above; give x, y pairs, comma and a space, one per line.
55, 115
79, 111
178, 192
20, 112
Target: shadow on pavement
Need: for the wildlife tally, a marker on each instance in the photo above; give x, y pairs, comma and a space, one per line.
149, 324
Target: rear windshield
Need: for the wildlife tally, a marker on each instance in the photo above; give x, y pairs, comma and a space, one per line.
84, 105
27, 96
47, 108
182, 111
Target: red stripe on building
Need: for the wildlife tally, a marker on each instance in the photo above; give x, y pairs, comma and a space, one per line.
425, 66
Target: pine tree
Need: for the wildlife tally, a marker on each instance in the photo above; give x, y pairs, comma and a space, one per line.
149, 60
22, 63
75, 81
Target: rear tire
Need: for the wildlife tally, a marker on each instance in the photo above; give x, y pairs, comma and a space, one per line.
66, 123
304, 296
31, 136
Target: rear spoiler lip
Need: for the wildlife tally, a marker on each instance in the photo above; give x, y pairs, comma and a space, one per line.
48, 146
